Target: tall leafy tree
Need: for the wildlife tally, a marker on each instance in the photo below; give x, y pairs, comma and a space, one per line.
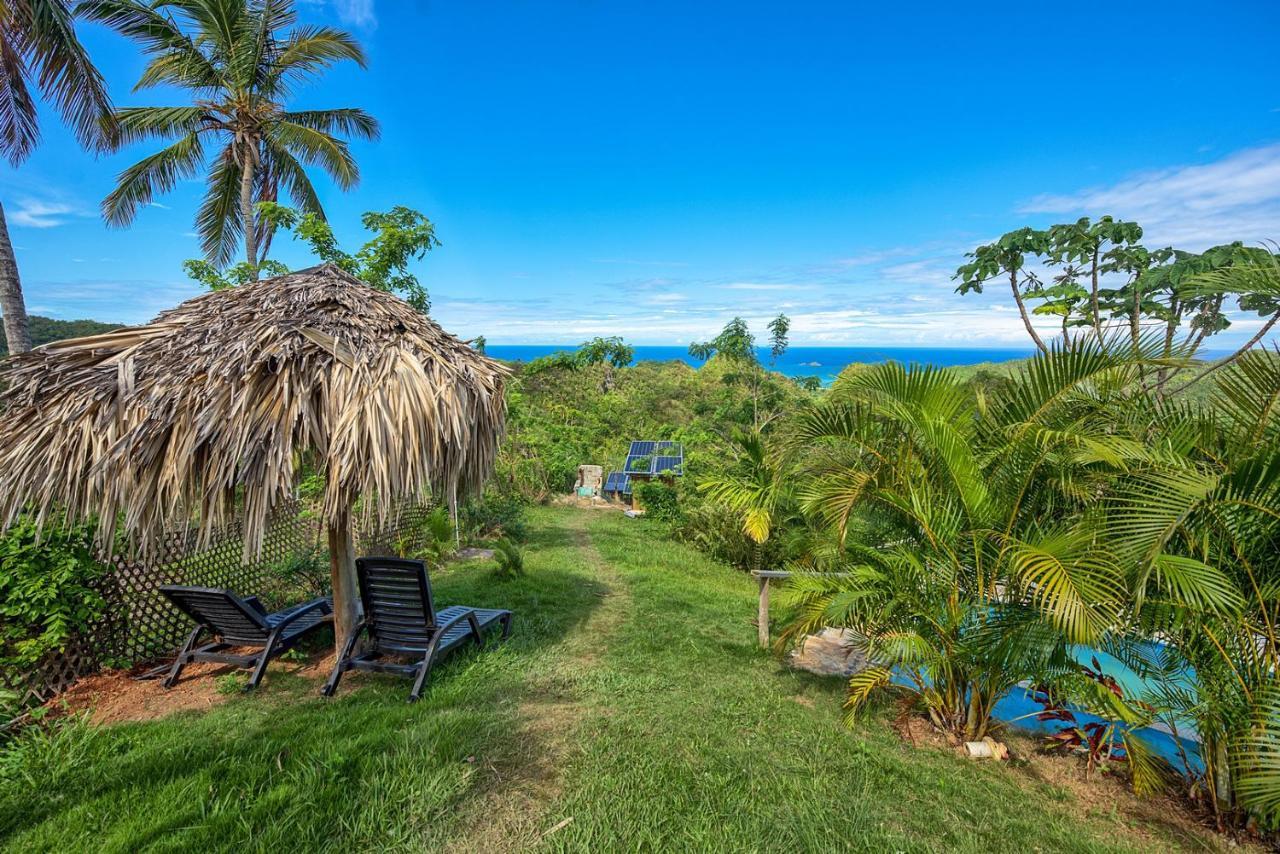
1007, 257
38, 47
239, 60
778, 329
1089, 249
610, 352
400, 236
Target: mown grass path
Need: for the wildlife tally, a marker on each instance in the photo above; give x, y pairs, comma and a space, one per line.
629, 711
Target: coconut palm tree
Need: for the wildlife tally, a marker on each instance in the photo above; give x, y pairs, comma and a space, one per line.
38, 45
240, 60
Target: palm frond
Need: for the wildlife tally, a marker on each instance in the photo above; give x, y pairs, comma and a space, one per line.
176, 58
1151, 774
1077, 587
862, 685
316, 148
1257, 757
218, 219
292, 177
63, 70
349, 121
19, 125
311, 50
1191, 583
135, 124
157, 173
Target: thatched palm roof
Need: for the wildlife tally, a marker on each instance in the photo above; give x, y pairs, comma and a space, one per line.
206, 411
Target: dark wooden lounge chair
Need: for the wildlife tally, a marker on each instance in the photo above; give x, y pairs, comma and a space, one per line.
401, 619
234, 622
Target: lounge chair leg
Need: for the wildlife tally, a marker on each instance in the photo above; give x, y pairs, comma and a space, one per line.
421, 679
263, 660
341, 665
506, 626
183, 658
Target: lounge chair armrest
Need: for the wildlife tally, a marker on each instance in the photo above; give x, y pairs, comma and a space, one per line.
468, 614
321, 605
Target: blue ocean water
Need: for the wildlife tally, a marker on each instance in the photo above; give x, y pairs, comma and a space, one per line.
822, 362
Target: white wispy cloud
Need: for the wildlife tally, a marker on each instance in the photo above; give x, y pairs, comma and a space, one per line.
763, 286
1191, 206
356, 13
130, 301
38, 213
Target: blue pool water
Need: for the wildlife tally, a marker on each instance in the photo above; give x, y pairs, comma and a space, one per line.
1019, 709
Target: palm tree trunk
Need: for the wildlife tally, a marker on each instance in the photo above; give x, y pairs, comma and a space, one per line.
246, 211
16, 329
1022, 309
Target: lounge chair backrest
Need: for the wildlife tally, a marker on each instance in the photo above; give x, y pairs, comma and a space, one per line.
397, 601
222, 611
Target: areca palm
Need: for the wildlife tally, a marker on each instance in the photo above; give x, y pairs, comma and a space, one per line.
240, 60
981, 562
38, 45
1075, 506
1206, 517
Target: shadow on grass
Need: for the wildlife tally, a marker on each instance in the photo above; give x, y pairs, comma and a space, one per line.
229, 760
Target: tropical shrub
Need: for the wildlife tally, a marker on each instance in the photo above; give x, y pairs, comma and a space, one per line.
1198, 522
47, 590
661, 501
300, 576
495, 514
437, 536
509, 557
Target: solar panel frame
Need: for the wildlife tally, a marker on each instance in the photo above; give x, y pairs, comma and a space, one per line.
668, 464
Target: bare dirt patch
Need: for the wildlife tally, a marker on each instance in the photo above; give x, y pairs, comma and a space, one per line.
118, 696
1097, 797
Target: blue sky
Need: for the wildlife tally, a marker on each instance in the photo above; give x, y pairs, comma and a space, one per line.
652, 169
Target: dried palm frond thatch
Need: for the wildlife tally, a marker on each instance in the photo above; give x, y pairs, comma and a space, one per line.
207, 411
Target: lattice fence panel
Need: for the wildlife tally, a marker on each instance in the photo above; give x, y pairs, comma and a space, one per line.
141, 625
404, 535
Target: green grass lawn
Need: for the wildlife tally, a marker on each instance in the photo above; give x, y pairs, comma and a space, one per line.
629, 711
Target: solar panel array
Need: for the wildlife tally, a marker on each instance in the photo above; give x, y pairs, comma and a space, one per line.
648, 459
617, 481
654, 458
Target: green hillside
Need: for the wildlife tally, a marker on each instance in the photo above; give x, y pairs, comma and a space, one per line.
46, 329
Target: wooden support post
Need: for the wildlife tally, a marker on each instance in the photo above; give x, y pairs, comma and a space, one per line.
342, 572
762, 617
